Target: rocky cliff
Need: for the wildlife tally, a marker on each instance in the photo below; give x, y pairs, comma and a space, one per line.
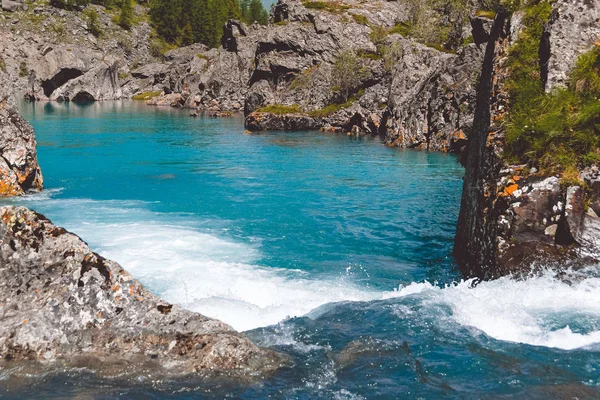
287, 75
69, 55
61, 302
516, 219
19, 169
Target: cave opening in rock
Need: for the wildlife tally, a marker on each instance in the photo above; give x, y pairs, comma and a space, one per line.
59, 79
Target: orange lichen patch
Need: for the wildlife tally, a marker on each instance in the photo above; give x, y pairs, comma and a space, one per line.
100, 315
516, 178
511, 189
131, 289
118, 298
459, 135
6, 218
8, 189
597, 44
37, 290
24, 321
115, 288
140, 299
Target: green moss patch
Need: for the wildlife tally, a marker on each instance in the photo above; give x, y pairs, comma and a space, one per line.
280, 109
146, 95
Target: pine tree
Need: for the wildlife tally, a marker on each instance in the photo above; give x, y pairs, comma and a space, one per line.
126, 16
257, 13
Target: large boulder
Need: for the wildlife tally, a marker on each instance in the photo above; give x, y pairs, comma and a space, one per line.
12, 5
19, 169
59, 301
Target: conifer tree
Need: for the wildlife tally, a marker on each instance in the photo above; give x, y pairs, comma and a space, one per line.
126, 16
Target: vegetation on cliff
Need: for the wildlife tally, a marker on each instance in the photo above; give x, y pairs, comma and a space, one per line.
184, 22
557, 131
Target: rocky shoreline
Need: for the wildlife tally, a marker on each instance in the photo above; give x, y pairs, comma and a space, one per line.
61, 302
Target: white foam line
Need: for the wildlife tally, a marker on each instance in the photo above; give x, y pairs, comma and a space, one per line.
220, 278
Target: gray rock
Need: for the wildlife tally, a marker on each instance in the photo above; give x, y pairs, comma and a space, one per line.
432, 97
59, 301
19, 169
573, 30
99, 83
12, 5
578, 226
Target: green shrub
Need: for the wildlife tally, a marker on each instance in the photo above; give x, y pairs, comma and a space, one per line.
58, 27
159, 47
378, 34
93, 22
126, 15
23, 69
347, 74
334, 107
559, 131
332, 7
280, 109
360, 19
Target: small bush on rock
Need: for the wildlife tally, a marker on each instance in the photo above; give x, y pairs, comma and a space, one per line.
347, 74
93, 22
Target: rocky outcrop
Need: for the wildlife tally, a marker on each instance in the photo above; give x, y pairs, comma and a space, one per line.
514, 219
19, 169
99, 83
52, 54
572, 30
475, 241
432, 97
59, 301
259, 121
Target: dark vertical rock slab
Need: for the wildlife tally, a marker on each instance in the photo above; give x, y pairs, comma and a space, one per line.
475, 243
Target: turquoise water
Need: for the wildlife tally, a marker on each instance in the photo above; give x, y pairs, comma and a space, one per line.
332, 249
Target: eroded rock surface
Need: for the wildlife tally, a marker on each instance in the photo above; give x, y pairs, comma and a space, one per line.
19, 169
573, 29
59, 301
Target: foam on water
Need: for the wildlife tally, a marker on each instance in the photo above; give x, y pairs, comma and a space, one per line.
211, 273
201, 271
540, 311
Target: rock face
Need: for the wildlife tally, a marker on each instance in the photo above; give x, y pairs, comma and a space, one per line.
59, 301
99, 83
514, 219
19, 169
432, 98
573, 29
52, 54
475, 242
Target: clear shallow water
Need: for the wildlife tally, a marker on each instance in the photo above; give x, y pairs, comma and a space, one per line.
331, 249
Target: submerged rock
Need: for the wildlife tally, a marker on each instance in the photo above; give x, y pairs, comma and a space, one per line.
19, 168
59, 301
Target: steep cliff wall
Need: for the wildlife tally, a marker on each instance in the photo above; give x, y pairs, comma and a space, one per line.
475, 243
19, 169
519, 217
